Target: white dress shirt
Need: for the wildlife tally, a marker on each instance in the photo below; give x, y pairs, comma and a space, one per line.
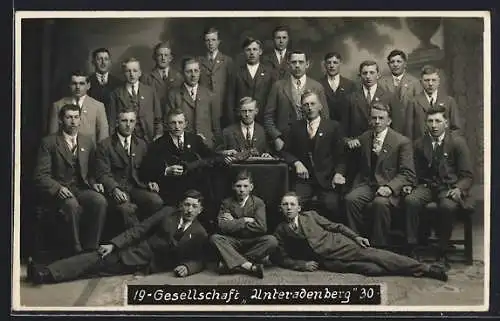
102, 78
134, 87
437, 141
280, 55
372, 89
312, 126
175, 139
122, 141
295, 222
396, 80
242, 203
70, 140
302, 82
433, 97
188, 224
79, 101
252, 69
380, 138
193, 91
334, 82
245, 127
213, 55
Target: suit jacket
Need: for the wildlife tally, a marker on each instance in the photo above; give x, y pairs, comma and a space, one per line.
162, 87
394, 168
254, 207
415, 117
54, 165
152, 243
455, 167
328, 240
328, 155
102, 93
93, 120
280, 70
233, 138
242, 85
338, 101
115, 168
202, 115
149, 114
163, 152
216, 78
402, 96
280, 112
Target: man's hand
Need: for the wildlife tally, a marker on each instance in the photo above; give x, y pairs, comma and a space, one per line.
310, 266
384, 191
64, 193
154, 187
266, 155
229, 159
455, 194
362, 241
407, 189
119, 195
174, 170
99, 188
226, 216
181, 271
249, 219
105, 249
279, 144
301, 170
353, 143
338, 179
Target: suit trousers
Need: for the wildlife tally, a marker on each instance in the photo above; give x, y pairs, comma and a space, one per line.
236, 251
328, 198
443, 220
376, 262
378, 218
90, 264
85, 214
142, 204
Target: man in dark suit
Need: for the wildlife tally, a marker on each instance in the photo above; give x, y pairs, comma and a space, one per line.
283, 105
245, 135
64, 178
386, 165
308, 241
444, 175
198, 104
252, 79
403, 86
315, 147
431, 97
140, 97
216, 72
118, 159
93, 120
277, 58
242, 230
169, 239
178, 161
102, 83
337, 87
163, 77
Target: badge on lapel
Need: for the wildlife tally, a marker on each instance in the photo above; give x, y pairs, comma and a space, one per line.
441, 104
142, 97
377, 99
320, 134
262, 74
82, 149
85, 110
133, 154
217, 61
341, 89
188, 146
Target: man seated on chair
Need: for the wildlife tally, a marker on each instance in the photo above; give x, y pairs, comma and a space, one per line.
315, 148
170, 238
308, 241
242, 241
118, 159
385, 166
245, 135
444, 176
64, 177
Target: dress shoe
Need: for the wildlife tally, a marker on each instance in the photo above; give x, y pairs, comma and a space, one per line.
258, 271
41, 276
266, 261
223, 269
436, 272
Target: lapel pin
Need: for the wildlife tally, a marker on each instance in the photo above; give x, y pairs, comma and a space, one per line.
384, 150
142, 97
376, 99
82, 149
320, 134
84, 110
441, 105
217, 61
406, 85
262, 74
188, 146
189, 235
341, 89
445, 154
133, 154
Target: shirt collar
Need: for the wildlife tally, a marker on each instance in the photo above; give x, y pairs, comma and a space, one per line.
175, 139
69, 138
296, 221
278, 53
242, 204
243, 125
213, 55
105, 74
439, 139
188, 87
398, 77
181, 221
79, 101
161, 70
372, 89
135, 86
253, 66
434, 96
335, 78
302, 80
382, 134
314, 122
122, 138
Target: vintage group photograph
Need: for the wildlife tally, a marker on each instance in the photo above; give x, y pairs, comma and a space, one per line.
201, 151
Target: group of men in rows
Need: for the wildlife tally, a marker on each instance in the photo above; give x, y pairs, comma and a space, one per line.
391, 141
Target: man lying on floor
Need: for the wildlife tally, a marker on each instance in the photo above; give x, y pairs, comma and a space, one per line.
308, 241
170, 238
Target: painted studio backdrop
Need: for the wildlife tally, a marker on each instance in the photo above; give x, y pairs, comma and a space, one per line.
51, 48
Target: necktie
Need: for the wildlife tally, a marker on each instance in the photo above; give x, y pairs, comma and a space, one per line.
368, 96
310, 130
163, 74
193, 94
248, 136
431, 101
180, 231
73, 145
298, 85
126, 145
435, 143
377, 145
397, 81
294, 227
180, 144
211, 60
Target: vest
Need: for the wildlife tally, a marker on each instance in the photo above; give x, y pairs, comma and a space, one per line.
433, 170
